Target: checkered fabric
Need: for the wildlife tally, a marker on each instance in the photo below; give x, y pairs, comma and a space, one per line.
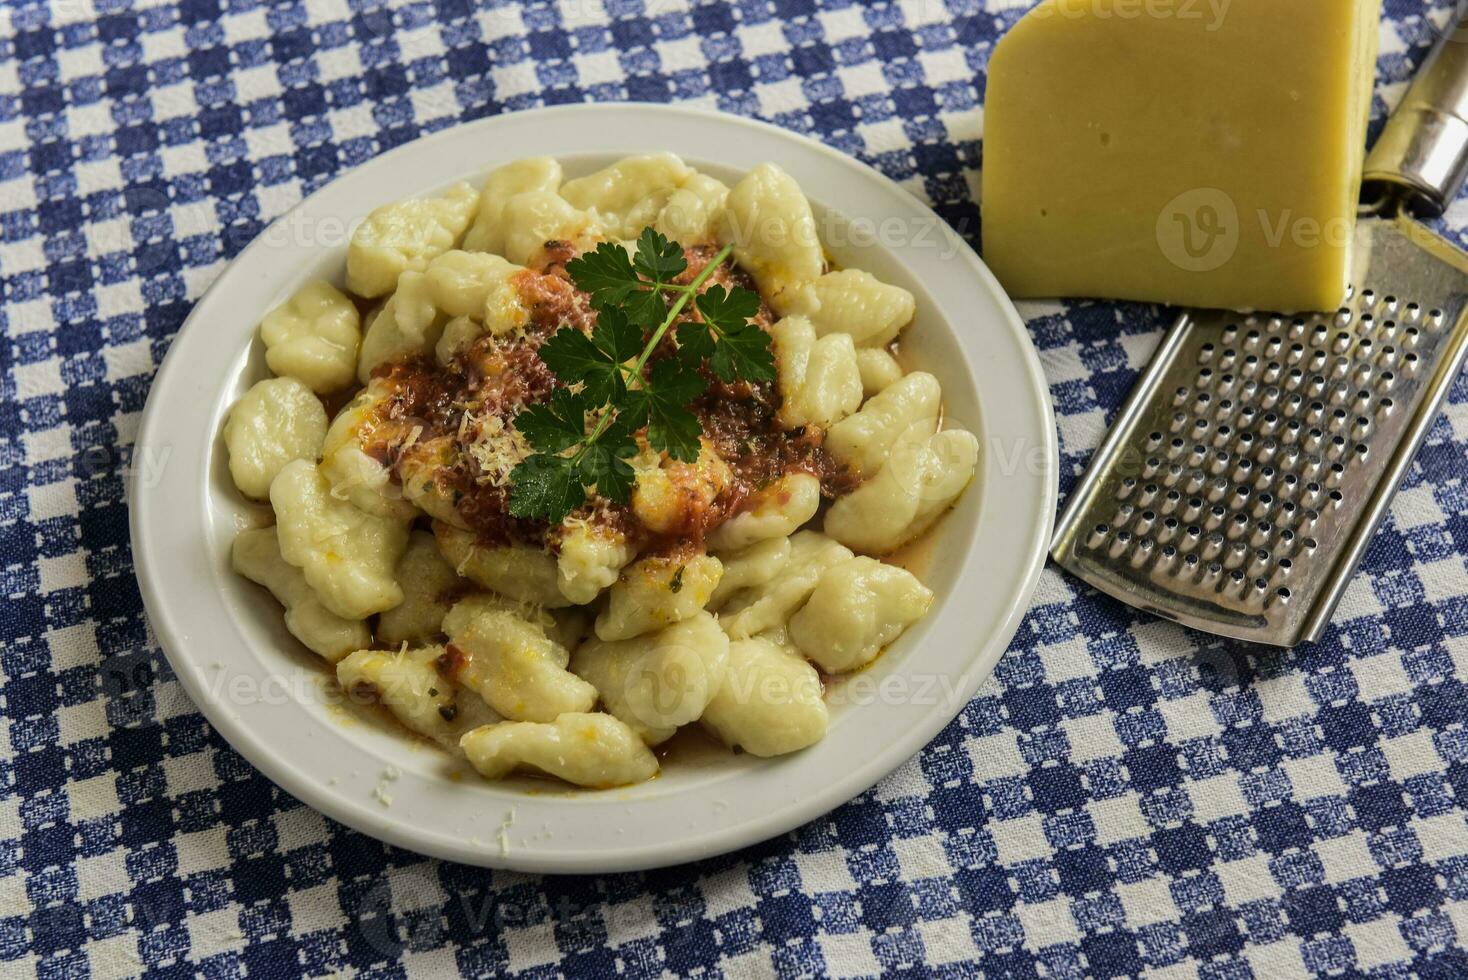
1124, 797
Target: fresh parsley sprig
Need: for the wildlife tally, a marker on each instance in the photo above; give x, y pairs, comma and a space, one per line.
584, 435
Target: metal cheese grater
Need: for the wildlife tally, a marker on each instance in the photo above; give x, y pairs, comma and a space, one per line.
1242, 482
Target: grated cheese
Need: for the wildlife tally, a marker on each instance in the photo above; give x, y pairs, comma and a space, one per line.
497, 449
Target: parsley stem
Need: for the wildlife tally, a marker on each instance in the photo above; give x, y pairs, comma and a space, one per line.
685, 293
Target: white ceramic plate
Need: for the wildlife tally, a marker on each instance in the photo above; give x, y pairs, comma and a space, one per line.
226, 642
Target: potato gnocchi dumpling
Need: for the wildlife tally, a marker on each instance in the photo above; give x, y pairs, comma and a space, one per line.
535, 217
276, 422
313, 337
255, 554
514, 571
487, 234
769, 606
668, 491
751, 566
901, 416
692, 213
656, 592
661, 680
590, 560
769, 222
909, 492
430, 588
481, 292
406, 236
852, 302
711, 581
820, 382
347, 554
406, 683
770, 703
774, 512
630, 194
354, 474
586, 749
858, 607
878, 370
511, 663
407, 325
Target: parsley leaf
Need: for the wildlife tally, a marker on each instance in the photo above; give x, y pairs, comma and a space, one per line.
617, 336
657, 258
554, 426
605, 274
604, 465
695, 342
743, 350
727, 309
646, 309
671, 427
573, 357
607, 378
546, 487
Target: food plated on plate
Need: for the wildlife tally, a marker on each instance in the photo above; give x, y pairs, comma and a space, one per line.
606, 457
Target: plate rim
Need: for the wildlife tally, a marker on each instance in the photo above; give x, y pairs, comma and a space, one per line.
151, 576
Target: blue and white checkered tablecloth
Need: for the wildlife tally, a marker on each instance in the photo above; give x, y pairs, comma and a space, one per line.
1124, 798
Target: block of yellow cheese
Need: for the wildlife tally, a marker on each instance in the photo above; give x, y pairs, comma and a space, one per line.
1194, 152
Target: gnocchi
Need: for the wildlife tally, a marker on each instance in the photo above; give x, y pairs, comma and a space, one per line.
769, 606
659, 681
511, 663
407, 325
277, 422
531, 174
770, 224
354, 474
852, 302
754, 565
255, 554
908, 493
590, 560
770, 702
657, 592
586, 749
710, 585
405, 237
693, 210
900, 416
775, 512
820, 382
407, 684
513, 571
878, 369
430, 586
858, 607
535, 217
347, 554
313, 337
480, 291
631, 193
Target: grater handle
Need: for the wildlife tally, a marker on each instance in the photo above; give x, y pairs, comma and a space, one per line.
1422, 154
